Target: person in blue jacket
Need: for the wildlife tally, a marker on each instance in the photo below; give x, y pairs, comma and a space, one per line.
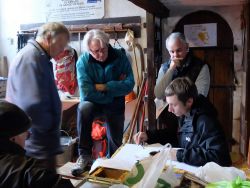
104, 77
199, 138
31, 86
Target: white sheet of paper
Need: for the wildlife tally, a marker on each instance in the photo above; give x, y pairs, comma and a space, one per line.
183, 166
129, 154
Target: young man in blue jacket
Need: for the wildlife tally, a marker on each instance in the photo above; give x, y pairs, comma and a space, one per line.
104, 78
199, 137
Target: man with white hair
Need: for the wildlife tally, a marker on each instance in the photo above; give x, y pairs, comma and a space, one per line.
104, 78
31, 86
181, 63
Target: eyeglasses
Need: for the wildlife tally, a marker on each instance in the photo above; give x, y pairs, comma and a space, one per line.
99, 51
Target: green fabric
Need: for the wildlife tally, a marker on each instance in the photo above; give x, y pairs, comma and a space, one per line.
237, 183
132, 180
162, 184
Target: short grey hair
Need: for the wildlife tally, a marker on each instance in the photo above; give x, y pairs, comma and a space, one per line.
95, 34
53, 29
174, 36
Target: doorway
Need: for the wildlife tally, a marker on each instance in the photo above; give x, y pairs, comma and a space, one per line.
221, 62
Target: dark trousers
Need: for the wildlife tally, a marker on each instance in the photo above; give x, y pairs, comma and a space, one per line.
86, 113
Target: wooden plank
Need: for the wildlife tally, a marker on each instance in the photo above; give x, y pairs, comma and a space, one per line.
154, 7
247, 104
131, 19
129, 109
151, 71
116, 27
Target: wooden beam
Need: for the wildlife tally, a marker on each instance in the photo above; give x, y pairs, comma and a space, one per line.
116, 27
154, 7
247, 66
151, 70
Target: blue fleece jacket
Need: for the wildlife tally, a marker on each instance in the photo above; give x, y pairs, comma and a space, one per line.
115, 72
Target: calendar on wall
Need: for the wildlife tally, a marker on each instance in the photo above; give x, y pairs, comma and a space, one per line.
71, 10
201, 35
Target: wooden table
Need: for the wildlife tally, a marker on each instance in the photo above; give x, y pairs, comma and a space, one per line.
69, 115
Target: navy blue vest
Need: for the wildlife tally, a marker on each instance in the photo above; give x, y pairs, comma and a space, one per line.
191, 68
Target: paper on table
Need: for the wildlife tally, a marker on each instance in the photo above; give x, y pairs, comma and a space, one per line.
183, 166
127, 156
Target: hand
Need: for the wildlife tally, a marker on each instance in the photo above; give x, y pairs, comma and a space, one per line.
140, 137
175, 62
100, 87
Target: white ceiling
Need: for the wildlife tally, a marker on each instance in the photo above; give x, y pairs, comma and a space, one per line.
181, 3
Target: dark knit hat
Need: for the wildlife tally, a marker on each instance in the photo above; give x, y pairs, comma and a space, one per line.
13, 120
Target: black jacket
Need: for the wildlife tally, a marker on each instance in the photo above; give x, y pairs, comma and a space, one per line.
19, 171
199, 136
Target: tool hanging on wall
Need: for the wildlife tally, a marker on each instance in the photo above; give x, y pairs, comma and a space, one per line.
144, 109
127, 138
138, 117
117, 42
132, 45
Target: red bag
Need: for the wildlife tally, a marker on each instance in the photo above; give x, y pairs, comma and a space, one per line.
98, 134
66, 70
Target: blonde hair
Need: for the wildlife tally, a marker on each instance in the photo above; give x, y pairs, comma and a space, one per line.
53, 29
95, 34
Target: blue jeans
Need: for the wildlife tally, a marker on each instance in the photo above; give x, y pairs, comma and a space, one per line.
86, 113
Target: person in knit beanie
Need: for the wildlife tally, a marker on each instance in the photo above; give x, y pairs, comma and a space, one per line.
13, 120
18, 170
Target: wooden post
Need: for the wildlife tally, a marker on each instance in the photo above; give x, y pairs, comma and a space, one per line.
151, 70
247, 104
248, 155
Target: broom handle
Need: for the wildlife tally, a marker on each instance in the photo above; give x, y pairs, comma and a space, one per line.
133, 121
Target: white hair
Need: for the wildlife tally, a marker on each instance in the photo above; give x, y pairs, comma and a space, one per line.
95, 34
174, 36
53, 29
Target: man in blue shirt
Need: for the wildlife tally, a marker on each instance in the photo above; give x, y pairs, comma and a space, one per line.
31, 86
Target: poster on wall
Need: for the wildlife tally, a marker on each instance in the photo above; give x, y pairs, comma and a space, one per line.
201, 35
70, 10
